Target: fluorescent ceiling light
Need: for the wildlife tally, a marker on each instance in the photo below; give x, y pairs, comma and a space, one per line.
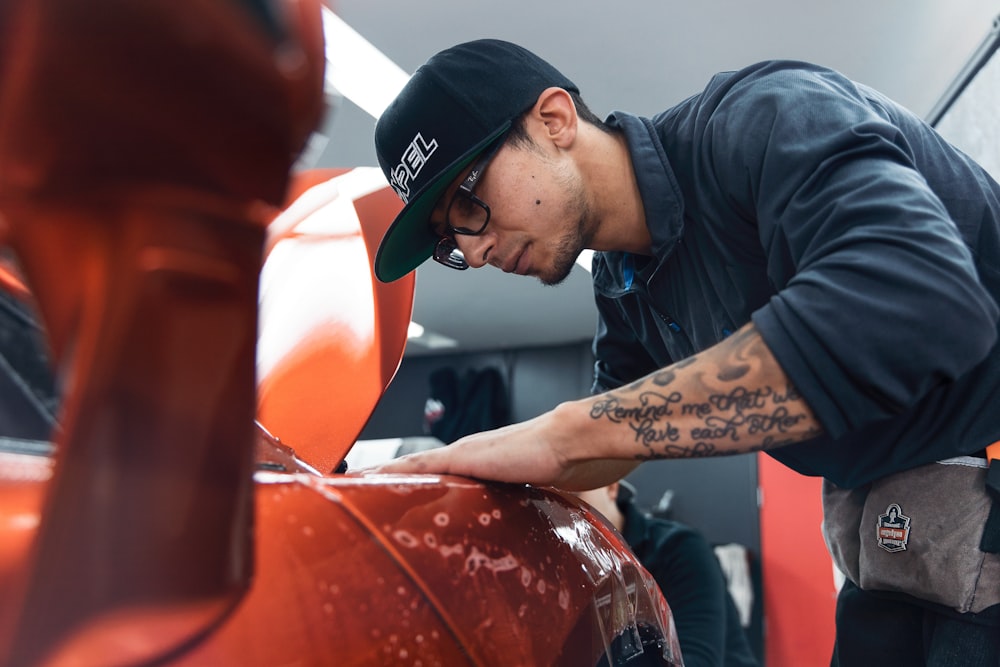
358, 70
433, 341
416, 333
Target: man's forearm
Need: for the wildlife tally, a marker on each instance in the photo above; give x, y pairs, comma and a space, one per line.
730, 399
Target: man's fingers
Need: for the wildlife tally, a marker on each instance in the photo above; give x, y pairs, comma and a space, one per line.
396, 465
411, 463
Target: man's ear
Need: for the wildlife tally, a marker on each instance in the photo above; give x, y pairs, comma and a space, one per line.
557, 113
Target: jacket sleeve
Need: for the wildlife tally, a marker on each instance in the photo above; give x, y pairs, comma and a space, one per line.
878, 300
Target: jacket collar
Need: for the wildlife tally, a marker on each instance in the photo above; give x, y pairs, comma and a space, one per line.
662, 203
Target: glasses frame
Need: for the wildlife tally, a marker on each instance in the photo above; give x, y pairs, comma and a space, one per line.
446, 251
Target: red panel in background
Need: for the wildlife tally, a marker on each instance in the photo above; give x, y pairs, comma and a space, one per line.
799, 592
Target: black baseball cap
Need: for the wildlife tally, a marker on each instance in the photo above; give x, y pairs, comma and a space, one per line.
453, 107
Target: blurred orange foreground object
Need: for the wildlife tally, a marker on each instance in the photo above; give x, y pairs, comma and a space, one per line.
331, 335
140, 144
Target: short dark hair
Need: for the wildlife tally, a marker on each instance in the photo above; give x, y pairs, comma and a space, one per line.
518, 135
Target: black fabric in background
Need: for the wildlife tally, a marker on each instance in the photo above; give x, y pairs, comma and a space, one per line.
474, 401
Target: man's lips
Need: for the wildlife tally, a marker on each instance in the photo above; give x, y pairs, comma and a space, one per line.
523, 263
517, 265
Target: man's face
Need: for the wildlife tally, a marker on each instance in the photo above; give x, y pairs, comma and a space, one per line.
539, 222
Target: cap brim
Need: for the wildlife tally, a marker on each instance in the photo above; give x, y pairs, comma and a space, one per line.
409, 241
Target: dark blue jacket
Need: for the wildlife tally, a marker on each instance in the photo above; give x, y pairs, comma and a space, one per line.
864, 247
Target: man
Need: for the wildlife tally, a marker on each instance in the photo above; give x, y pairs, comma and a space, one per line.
687, 571
787, 261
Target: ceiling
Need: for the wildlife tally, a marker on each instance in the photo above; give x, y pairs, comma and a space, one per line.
641, 56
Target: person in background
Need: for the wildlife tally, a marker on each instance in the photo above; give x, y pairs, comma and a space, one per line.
687, 571
787, 261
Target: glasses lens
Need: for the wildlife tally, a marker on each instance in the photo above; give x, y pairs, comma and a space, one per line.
446, 252
467, 214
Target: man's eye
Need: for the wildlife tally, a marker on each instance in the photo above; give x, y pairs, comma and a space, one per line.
464, 207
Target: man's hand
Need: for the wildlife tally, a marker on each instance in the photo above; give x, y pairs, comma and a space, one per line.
533, 452
733, 398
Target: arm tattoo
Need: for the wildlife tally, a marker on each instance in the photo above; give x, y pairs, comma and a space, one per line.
716, 408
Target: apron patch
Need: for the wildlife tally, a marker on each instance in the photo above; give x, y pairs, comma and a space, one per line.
893, 529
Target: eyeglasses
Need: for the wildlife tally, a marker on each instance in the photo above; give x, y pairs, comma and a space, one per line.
467, 214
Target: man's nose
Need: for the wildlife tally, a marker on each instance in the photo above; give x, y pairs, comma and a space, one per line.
476, 249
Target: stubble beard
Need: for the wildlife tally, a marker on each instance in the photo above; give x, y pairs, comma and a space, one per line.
575, 240
568, 249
